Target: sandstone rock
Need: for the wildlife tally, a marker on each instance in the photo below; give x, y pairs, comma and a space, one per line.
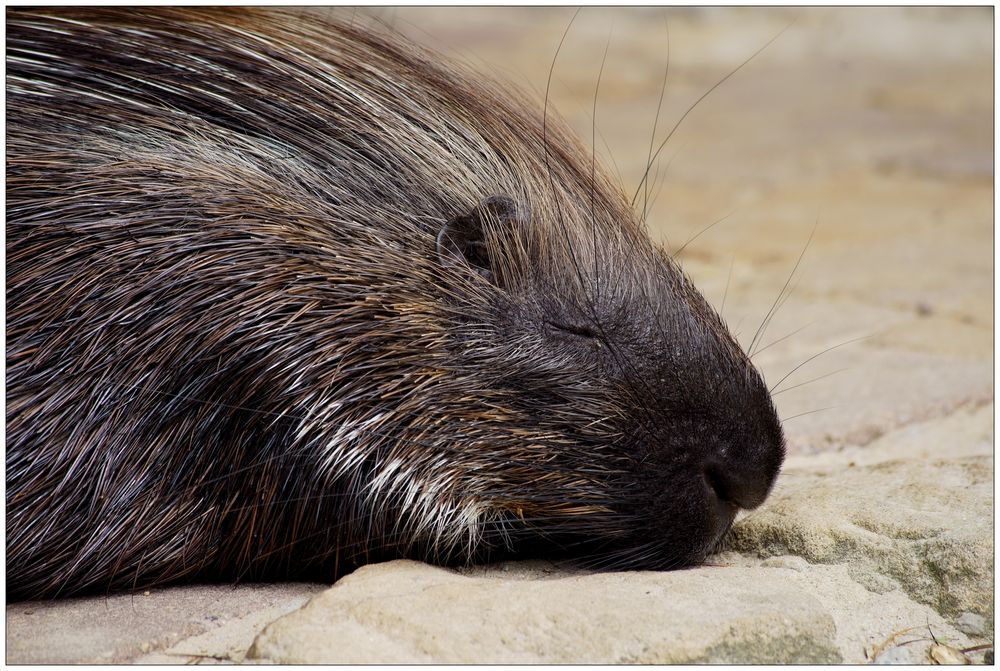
971, 624
901, 655
522, 612
122, 627
405, 612
786, 561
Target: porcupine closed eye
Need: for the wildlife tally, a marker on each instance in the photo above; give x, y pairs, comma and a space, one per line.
286, 297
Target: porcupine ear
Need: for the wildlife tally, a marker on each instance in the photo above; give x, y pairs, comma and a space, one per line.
463, 238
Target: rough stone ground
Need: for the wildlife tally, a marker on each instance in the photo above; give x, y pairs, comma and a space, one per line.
878, 539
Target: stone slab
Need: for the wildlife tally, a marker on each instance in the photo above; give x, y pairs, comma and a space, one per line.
120, 628
405, 612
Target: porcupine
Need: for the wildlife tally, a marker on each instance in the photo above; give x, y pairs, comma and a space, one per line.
287, 297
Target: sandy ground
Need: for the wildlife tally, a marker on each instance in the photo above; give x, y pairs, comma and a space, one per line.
866, 131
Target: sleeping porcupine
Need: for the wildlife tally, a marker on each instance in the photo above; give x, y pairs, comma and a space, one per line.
284, 298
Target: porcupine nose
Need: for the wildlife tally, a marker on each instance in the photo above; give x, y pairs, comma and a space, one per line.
740, 486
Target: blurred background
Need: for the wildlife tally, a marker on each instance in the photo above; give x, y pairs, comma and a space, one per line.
874, 123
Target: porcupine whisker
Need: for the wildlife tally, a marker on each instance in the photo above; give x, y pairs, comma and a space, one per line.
622, 357
725, 292
815, 379
649, 420
630, 380
809, 412
656, 120
635, 377
620, 181
736, 329
659, 326
590, 299
773, 310
698, 101
784, 337
620, 560
616, 558
698, 234
819, 354
559, 214
593, 167
781, 303
661, 183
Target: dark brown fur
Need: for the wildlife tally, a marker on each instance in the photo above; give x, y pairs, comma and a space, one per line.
284, 297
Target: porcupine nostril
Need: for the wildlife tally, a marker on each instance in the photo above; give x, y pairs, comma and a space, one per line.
743, 488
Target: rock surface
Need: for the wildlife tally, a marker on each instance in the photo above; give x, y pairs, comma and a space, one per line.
403, 612
878, 123
121, 628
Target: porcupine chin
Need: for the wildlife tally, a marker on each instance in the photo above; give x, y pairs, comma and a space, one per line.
287, 297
